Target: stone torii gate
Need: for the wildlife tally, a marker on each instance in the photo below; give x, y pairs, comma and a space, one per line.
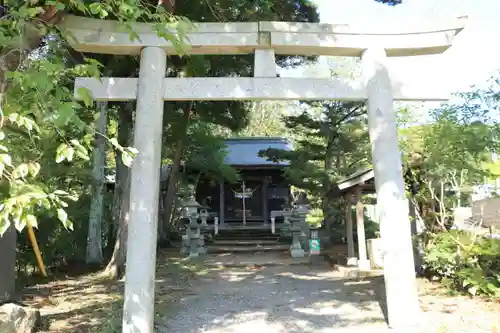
265, 39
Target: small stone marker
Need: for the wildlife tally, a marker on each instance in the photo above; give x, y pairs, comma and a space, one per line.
314, 246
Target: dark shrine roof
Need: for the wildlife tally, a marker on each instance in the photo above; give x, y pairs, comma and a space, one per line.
241, 152
245, 151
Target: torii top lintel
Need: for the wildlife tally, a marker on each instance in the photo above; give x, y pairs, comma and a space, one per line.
108, 37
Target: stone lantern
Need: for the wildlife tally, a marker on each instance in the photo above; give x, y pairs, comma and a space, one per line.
190, 208
193, 242
299, 213
300, 210
204, 216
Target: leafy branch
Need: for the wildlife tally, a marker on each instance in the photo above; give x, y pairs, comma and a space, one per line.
37, 70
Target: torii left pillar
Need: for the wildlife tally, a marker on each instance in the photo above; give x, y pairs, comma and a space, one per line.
138, 309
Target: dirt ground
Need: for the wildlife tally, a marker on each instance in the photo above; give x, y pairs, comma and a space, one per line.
91, 304
444, 312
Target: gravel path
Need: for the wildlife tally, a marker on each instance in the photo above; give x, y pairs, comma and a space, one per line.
287, 299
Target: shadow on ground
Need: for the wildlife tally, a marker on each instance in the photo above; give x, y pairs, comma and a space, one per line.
90, 303
290, 299
191, 298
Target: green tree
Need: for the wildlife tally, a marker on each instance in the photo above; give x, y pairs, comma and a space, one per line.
265, 119
37, 104
450, 152
331, 142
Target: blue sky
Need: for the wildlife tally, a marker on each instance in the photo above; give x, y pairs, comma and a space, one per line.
474, 56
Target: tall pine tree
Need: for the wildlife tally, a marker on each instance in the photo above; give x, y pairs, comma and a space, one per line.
331, 142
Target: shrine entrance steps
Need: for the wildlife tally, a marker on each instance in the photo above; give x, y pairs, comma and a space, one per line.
247, 240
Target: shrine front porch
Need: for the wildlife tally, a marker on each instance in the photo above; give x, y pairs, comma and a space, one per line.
256, 199
251, 225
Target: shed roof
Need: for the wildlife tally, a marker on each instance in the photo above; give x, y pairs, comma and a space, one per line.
358, 178
245, 151
364, 178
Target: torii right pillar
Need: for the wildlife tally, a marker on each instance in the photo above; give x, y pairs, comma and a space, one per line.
399, 270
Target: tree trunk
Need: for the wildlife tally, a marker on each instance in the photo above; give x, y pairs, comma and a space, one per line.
94, 237
116, 265
162, 226
162, 233
172, 184
113, 223
417, 243
172, 179
327, 214
8, 263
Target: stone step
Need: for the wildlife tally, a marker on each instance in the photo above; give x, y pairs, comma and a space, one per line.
245, 242
240, 242
253, 248
255, 261
245, 232
246, 237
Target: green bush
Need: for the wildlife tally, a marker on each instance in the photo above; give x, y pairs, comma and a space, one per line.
315, 217
57, 245
465, 262
338, 232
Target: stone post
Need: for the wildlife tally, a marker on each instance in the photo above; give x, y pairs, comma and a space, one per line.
363, 262
194, 239
399, 274
196, 242
265, 200
296, 249
351, 257
138, 308
221, 203
186, 242
216, 226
